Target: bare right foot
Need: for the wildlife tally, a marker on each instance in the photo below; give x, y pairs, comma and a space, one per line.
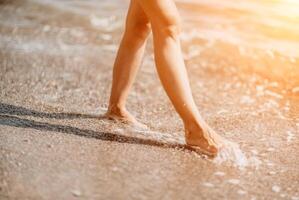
205, 138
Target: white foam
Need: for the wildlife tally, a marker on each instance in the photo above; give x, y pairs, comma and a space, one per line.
232, 154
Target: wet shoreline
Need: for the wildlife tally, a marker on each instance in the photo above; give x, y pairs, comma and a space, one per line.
56, 63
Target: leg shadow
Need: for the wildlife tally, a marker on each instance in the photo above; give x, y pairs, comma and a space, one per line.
6, 110
21, 111
105, 136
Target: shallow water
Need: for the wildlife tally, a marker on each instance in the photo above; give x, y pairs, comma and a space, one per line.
56, 65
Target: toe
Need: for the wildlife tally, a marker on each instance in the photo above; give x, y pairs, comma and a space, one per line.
212, 149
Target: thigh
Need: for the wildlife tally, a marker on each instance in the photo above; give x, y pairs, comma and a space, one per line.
136, 15
161, 12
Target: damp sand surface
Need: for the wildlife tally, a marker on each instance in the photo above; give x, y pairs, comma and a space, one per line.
55, 76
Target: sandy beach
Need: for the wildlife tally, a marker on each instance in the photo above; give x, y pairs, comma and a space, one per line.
56, 59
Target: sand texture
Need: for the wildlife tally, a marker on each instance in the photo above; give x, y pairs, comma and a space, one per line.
55, 76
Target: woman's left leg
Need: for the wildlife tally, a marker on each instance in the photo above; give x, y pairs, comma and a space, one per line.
127, 62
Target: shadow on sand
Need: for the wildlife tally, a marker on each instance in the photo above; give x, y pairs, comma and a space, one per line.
21, 111
9, 113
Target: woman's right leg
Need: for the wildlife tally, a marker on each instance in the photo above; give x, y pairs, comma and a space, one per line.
164, 19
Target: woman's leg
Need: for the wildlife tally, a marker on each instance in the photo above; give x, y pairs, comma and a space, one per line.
165, 22
128, 59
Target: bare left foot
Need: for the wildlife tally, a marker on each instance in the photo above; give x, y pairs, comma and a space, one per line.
123, 116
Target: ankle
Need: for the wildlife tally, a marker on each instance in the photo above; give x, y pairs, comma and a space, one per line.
193, 128
116, 109
194, 124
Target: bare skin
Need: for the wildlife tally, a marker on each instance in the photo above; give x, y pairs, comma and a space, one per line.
162, 17
127, 62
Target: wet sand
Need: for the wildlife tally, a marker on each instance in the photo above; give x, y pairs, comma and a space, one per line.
55, 70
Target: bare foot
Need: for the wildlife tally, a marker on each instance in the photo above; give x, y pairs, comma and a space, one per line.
122, 115
204, 138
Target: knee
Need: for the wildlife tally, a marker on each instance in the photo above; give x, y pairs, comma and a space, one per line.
169, 27
139, 30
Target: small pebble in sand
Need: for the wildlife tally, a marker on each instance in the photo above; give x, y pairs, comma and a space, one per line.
255, 161
290, 136
292, 59
119, 130
233, 181
106, 37
270, 164
271, 173
295, 90
270, 53
275, 188
222, 112
114, 169
208, 184
46, 28
271, 149
76, 193
273, 94
255, 152
219, 173
241, 192
246, 100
